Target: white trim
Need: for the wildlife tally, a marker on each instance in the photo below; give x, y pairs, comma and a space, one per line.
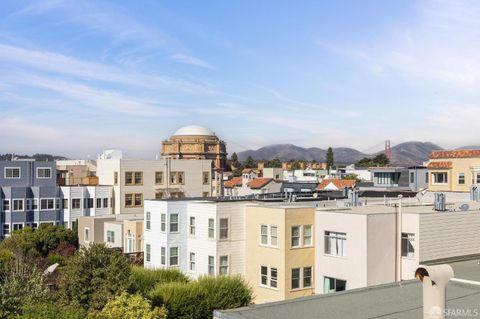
12, 167
48, 198
84, 232
12, 208
13, 226
9, 205
44, 168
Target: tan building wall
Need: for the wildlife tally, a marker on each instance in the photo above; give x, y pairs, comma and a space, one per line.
469, 166
95, 226
134, 229
282, 257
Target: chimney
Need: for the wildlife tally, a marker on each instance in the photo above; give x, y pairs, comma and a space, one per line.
434, 280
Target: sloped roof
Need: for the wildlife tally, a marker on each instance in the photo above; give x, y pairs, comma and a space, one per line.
455, 154
236, 181
339, 183
440, 165
259, 182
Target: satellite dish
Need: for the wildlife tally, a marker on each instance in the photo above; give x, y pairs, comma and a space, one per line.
464, 207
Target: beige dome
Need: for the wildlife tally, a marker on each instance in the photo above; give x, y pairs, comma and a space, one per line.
193, 130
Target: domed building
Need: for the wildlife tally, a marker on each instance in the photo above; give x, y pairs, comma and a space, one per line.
196, 142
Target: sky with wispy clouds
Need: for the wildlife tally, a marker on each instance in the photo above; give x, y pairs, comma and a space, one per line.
77, 77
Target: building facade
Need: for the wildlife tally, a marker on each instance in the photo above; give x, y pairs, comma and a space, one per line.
29, 195
454, 171
137, 180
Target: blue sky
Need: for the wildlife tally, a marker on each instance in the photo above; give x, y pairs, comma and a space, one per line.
77, 77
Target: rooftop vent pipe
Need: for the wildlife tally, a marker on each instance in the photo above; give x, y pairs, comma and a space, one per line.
434, 280
440, 200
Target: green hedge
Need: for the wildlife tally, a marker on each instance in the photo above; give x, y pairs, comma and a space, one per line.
197, 300
144, 280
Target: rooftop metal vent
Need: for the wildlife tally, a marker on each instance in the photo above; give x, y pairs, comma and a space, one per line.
464, 207
440, 200
474, 193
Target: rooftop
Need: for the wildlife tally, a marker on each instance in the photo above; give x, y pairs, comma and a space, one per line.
193, 130
392, 301
455, 154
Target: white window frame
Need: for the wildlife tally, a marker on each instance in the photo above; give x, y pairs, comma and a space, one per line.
268, 235
299, 236
220, 229
163, 222
192, 226
18, 200
227, 266
337, 236
212, 229
45, 169
41, 199
269, 278
409, 238
163, 255
434, 179
458, 178
86, 234
8, 232
14, 224
192, 262
9, 205
74, 200
110, 236
148, 251
170, 223
148, 220
12, 167
211, 266
35, 205
303, 236
170, 257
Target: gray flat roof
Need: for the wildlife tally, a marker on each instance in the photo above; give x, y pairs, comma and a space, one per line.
398, 300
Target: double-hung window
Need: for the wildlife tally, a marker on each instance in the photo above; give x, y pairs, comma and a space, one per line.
147, 252
174, 223
110, 236
461, 178
335, 243
295, 278
223, 268
192, 225
148, 221
268, 277
163, 222
12, 173
47, 204
269, 235
211, 228
6, 205
44, 172
76, 203
173, 256
307, 235
192, 261
295, 236
163, 257
264, 234
223, 228
211, 265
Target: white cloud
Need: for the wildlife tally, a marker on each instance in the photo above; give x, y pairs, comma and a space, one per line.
186, 59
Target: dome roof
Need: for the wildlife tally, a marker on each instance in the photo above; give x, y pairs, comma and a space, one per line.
193, 130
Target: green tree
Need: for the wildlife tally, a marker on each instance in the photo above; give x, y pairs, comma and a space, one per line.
329, 158
127, 306
143, 280
274, 163
21, 286
250, 163
93, 276
379, 160
50, 310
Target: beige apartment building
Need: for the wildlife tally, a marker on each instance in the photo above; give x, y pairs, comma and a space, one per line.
280, 252
136, 180
453, 171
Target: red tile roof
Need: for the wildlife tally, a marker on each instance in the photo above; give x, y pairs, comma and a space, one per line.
247, 170
236, 181
440, 165
455, 154
259, 182
339, 183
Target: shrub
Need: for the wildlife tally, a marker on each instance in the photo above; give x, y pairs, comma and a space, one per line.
48, 310
198, 299
143, 280
128, 306
92, 276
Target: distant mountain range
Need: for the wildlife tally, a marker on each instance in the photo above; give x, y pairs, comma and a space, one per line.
404, 154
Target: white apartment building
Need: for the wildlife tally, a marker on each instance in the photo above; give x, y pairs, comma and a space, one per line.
358, 247
197, 237
137, 180
305, 175
80, 201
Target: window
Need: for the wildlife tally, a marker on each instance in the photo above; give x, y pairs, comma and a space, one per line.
47, 204
147, 252
273, 236
110, 236
264, 275
174, 223
408, 241
163, 222
6, 205
138, 178
99, 203
35, 204
65, 203
105, 203
6, 230
192, 226
426, 177
295, 236
461, 178
89, 203
76, 203
17, 227
273, 277
268, 277
134, 200
133, 178
192, 261
17, 205
333, 284
86, 234
264, 234
440, 178
115, 178
159, 178
44, 172
223, 228
177, 177
211, 265
307, 235
162, 255
28, 204
205, 194
206, 178
478, 179
307, 277
211, 228
295, 278
412, 177
223, 269
128, 178
12, 172
335, 243
159, 195
173, 256
147, 220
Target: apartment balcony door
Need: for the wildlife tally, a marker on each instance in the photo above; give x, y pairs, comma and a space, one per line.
129, 245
